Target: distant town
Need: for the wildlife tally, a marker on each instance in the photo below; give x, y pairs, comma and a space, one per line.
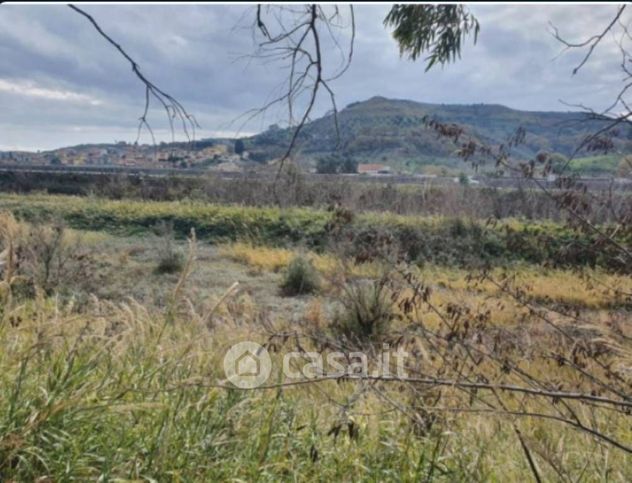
218, 155
224, 155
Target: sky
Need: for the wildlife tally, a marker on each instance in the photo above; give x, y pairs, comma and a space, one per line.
62, 84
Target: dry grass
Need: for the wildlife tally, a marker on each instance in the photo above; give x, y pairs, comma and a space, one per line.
276, 259
120, 392
259, 257
588, 288
127, 390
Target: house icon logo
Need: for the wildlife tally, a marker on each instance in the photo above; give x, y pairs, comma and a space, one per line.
247, 365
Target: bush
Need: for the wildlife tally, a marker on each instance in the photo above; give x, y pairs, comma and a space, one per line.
170, 263
336, 163
327, 165
367, 311
300, 277
45, 256
170, 260
23, 288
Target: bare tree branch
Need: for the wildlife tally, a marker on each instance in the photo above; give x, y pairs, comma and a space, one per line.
296, 36
174, 109
591, 42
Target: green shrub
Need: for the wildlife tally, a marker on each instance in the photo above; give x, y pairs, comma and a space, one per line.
23, 288
300, 277
170, 263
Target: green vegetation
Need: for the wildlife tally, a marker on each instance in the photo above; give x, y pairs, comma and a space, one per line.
595, 165
300, 277
336, 163
367, 312
122, 378
394, 128
450, 241
89, 406
438, 29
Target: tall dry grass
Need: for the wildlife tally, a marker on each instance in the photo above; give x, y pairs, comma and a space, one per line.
124, 391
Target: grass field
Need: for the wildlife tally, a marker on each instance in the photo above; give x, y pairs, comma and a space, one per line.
448, 241
596, 165
115, 372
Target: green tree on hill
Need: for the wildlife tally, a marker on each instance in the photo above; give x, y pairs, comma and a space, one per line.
336, 163
349, 165
327, 165
558, 161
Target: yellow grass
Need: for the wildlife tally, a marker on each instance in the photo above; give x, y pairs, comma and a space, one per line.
274, 259
123, 375
588, 288
258, 257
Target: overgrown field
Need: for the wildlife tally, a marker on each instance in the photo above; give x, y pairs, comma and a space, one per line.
113, 334
425, 198
465, 242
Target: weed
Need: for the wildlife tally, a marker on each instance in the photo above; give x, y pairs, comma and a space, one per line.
170, 259
44, 256
367, 311
300, 277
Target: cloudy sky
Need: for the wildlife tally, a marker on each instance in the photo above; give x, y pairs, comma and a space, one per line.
63, 84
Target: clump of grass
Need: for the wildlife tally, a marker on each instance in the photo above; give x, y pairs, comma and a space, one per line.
170, 263
367, 311
170, 259
300, 277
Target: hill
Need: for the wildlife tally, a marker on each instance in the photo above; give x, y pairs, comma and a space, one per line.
203, 153
378, 130
393, 131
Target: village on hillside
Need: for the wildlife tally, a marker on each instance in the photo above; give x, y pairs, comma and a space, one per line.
215, 155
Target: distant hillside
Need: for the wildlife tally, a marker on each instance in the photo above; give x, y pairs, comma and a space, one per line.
209, 153
379, 130
389, 130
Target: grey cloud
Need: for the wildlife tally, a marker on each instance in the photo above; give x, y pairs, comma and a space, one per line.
196, 53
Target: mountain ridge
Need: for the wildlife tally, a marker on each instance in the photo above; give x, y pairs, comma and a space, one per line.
376, 130
394, 131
